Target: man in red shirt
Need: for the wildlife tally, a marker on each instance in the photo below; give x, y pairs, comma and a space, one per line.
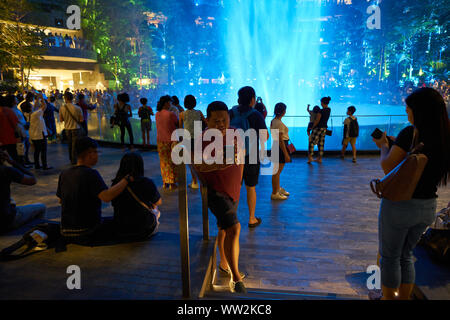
8, 124
224, 185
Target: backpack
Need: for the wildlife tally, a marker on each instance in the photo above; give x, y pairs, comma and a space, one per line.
353, 128
240, 121
144, 113
27, 245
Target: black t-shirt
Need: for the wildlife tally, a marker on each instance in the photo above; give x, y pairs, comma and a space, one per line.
427, 185
81, 209
325, 112
7, 211
255, 121
128, 213
122, 114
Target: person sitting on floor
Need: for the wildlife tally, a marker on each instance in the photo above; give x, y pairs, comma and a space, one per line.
135, 210
12, 216
81, 190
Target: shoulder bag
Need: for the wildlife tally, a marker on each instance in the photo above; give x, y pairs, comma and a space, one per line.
82, 131
330, 132
152, 215
401, 182
290, 147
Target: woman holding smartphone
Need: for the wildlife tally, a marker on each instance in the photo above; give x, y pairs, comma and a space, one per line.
401, 223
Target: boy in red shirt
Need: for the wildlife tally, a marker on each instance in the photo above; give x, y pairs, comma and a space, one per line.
224, 185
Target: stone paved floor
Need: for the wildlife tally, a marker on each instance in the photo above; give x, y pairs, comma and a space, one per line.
320, 240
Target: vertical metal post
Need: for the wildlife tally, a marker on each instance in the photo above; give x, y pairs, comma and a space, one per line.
204, 192
389, 128
99, 120
184, 231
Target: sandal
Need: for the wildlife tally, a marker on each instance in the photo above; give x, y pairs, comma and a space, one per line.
254, 225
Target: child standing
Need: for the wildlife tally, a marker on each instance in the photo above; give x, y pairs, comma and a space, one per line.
312, 117
351, 132
146, 122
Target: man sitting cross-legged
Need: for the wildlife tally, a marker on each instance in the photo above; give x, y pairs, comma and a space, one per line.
224, 185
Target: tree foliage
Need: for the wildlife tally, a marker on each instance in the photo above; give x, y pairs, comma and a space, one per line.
20, 45
411, 43
120, 34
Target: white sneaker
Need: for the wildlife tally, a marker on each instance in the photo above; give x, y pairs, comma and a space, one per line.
284, 192
194, 186
278, 196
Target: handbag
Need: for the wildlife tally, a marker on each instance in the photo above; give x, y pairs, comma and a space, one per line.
436, 239
330, 132
400, 183
291, 147
152, 214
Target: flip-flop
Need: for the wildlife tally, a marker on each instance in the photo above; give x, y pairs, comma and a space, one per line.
254, 225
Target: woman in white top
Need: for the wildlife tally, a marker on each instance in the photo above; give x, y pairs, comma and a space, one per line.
38, 133
279, 193
187, 121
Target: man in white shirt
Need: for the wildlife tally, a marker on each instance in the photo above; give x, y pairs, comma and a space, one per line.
38, 133
71, 115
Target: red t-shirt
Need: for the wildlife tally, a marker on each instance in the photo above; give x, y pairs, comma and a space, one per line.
166, 123
8, 123
227, 181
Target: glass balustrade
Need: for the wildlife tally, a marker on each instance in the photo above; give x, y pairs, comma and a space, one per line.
99, 128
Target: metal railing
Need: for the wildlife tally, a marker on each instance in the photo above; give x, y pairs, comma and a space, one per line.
99, 128
297, 125
184, 224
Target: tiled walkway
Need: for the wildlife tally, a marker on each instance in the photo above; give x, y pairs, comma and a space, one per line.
320, 240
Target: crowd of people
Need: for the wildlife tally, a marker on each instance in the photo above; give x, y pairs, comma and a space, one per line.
60, 41
81, 188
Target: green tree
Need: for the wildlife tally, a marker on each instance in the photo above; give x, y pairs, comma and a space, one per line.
121, 38
411, 40
20, 44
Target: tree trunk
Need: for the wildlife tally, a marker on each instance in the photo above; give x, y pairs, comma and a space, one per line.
28, 77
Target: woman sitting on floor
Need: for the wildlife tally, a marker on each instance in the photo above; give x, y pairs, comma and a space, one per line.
135, 209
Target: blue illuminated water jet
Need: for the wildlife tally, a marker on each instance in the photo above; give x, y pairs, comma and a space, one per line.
273, 45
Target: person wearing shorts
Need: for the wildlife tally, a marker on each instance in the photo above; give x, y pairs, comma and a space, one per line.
224, 184
349, 135
146, 121
247, 101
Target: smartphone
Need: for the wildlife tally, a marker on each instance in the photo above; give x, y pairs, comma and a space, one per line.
377, 134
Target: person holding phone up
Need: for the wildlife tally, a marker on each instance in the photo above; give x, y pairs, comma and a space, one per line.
401, 223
